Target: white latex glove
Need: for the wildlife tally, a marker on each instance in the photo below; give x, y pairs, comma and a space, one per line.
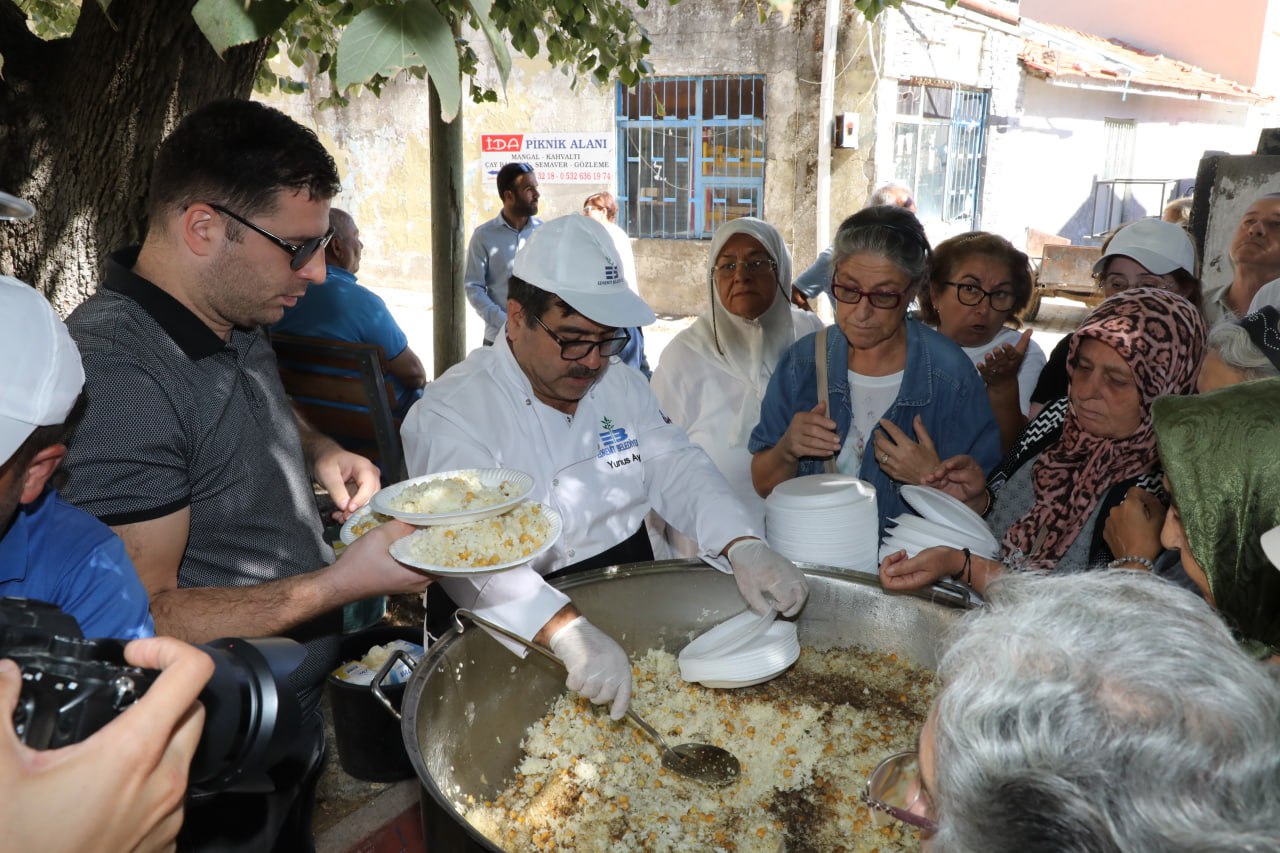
762, 571
598, 667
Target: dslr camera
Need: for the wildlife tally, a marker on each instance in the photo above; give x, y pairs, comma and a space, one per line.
71, 687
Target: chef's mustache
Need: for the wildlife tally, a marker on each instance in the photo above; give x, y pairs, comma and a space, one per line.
582, 372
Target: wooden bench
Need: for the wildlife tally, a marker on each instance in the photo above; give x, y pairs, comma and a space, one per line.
344, 390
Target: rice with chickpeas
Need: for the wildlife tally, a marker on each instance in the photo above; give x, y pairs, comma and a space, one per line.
452, 494
807, 742
493, 541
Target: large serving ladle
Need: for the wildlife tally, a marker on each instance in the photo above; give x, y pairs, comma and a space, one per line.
701, 762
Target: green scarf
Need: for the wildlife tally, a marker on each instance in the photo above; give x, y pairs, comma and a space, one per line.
1221, 453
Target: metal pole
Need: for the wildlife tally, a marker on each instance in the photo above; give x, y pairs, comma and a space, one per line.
826, 124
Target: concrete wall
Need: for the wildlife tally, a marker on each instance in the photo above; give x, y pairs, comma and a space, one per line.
725, 37
1058, 147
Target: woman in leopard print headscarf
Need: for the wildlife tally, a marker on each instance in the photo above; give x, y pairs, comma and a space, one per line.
1079, 456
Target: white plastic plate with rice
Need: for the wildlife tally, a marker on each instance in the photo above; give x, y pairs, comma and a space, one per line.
361, 522
453, 497
484, 546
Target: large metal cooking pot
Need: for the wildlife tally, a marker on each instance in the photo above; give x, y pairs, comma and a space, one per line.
471, 700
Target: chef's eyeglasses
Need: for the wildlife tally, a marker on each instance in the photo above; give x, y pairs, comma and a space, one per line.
578, 350
884, 299
299, 254
894, 788
755, 266
972, 294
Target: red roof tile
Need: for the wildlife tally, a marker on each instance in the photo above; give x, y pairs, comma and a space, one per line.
1049, 50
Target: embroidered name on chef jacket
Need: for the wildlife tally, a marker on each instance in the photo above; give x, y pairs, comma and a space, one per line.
614, 441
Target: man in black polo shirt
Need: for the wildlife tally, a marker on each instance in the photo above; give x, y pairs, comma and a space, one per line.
189, 448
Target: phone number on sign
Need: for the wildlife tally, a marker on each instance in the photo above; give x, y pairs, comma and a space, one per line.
580, 175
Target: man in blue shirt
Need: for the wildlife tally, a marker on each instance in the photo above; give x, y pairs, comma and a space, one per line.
49, 550
493, 246
344, 310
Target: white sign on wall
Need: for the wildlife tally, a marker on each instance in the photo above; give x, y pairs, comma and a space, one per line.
556, 158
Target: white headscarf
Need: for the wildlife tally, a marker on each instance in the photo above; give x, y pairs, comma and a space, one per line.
750, 348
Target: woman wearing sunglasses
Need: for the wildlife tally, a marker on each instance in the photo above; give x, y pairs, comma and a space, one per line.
978, 285
1108, 711
880, 369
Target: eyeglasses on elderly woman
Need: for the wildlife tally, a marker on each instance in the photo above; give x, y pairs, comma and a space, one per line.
972, 294
884, 299
755, 266
894, 788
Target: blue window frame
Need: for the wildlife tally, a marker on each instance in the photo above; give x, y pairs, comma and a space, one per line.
690, 154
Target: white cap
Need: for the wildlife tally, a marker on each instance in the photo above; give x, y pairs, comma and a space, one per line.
1160, 246
40, 372
575, 258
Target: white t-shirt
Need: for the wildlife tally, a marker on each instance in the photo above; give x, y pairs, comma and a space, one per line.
1032, 364
870, 397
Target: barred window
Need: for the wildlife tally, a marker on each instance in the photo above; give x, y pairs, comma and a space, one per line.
938, 144
691, 154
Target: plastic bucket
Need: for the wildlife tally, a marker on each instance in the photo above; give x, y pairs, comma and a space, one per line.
370, 746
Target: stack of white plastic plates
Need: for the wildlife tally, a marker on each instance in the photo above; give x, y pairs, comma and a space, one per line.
829, 519
943, 520
748, 649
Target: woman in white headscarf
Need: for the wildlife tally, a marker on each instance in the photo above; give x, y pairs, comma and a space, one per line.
713, 375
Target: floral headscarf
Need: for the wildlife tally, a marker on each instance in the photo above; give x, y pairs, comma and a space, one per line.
1161, 336
1219, 452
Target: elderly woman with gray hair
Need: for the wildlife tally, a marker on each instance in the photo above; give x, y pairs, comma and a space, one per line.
1242, 350
877, 366
713, 375
1106, 711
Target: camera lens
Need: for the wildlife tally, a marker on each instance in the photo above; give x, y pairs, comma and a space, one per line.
252, 714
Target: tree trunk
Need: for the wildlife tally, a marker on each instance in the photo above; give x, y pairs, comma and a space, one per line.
448, 253
82, 117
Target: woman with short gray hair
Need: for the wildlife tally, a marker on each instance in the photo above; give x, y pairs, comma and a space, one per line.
883, 372
1106, 711
1242, 350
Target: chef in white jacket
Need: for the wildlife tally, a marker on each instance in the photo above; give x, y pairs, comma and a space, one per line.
542, 399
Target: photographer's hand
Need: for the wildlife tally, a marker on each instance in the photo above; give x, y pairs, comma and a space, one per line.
121, 789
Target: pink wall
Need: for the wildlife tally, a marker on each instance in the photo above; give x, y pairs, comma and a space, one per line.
1228, 44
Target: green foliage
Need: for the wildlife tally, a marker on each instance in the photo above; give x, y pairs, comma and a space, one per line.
51, 19
871, 8
366, 43
385, 39
227, 23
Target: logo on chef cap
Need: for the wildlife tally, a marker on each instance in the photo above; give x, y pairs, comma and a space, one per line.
575, 258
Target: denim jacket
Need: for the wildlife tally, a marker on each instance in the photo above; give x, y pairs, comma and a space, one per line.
939, 384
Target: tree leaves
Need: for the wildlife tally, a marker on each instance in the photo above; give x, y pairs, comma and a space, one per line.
383, 40
227, 23
480, 17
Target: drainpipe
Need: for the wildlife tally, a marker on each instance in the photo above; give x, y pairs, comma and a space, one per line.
826, 124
